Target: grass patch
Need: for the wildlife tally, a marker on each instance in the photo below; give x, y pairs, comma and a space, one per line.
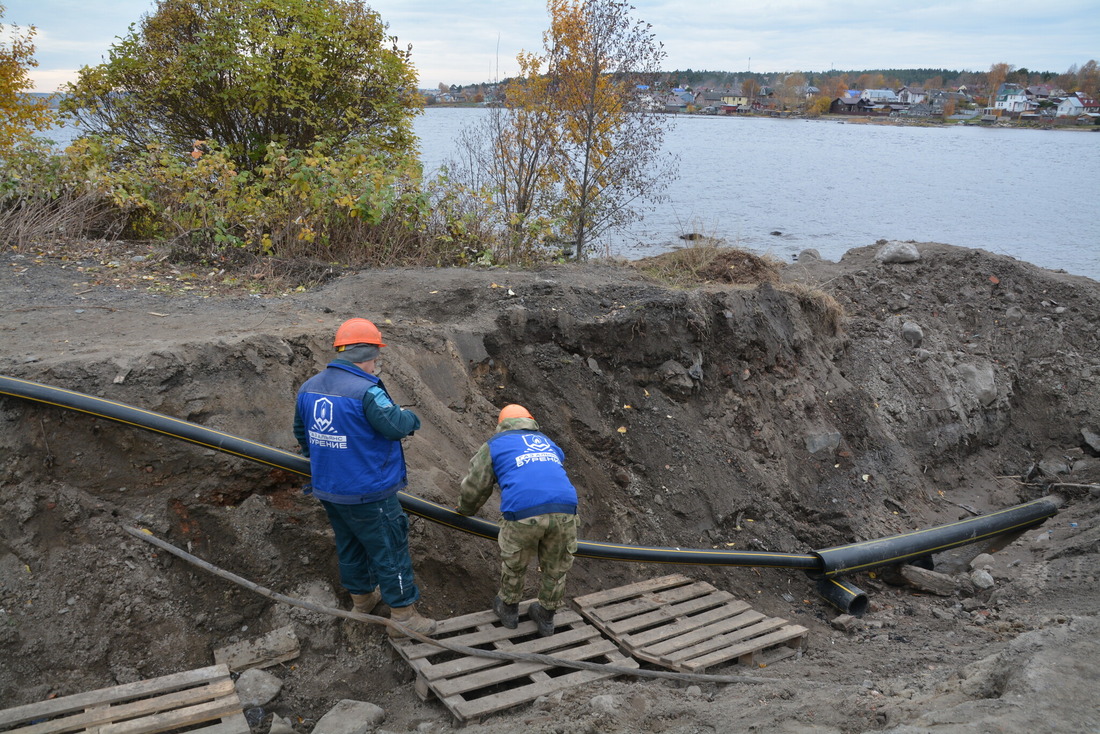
709, 262
819, 304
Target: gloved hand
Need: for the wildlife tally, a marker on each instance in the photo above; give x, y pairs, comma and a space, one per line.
464, 514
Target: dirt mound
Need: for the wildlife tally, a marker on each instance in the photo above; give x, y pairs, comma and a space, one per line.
743, 417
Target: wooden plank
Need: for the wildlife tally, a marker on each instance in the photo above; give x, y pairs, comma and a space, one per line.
277, 646
655, 600
718, 627
674, 622
102, 714
81, 701
479, 635
541, 645
788, 634
695, 645
690, 614
660, 637
202, 700
168, 720
231, 724
465, 710
602, 598
511, 670
472, 686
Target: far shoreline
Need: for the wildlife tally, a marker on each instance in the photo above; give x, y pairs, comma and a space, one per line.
853, 119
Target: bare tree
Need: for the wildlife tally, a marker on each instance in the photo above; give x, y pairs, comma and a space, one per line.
508, 160
576, 144
603, 65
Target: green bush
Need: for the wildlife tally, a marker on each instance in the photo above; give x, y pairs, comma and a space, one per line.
354, 207
49, 195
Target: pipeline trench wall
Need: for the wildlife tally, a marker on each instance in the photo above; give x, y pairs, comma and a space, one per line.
830, 562
740, 422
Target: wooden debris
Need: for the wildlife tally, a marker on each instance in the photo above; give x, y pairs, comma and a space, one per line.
471, 687
933, 582
202, 701
277, 646
689, 625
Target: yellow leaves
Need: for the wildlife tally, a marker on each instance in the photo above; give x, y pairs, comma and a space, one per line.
19, 116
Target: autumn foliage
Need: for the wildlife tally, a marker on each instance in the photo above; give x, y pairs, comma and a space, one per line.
20, 115
246, 73
577, 142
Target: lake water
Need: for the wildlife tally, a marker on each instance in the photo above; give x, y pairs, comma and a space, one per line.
832, 186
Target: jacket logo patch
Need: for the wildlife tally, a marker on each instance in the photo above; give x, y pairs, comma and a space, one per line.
322, 414
536, 443
538, 449
322, 434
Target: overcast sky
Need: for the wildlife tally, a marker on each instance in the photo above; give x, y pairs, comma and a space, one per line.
466, 41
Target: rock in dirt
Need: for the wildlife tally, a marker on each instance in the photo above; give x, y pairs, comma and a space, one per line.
350, 717
912, 333
898, 252
257, 688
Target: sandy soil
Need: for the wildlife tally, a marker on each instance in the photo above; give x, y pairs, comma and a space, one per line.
715, 416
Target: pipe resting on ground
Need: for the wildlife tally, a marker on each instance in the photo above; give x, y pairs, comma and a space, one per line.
827, 564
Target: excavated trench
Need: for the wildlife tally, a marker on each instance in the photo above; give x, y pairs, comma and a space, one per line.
732, 419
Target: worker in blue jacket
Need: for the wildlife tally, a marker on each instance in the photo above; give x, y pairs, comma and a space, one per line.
539, 508
351, 430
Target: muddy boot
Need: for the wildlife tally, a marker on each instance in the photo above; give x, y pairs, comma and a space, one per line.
508, 613
365, 603
410, 618
542, 617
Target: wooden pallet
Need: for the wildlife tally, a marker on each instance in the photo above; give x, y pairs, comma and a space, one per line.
471, 687
689, 625
202, 700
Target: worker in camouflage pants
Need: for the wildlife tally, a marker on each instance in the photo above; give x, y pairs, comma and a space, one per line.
539, 508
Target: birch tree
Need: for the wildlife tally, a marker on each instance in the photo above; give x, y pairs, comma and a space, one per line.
602, 65
576, 145
509, 159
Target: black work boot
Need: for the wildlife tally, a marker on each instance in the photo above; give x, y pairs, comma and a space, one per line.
508, 613
543, 617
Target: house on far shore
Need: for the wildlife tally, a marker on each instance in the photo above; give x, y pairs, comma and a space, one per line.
879, 96
853, 105
679, 100
912, 95
1079, 105
1012, 100
725, 101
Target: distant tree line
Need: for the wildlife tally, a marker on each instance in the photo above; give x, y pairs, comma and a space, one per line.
1083, 78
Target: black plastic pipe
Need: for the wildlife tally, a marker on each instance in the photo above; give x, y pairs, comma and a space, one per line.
828, 563
843, 595
897, 549
214, 439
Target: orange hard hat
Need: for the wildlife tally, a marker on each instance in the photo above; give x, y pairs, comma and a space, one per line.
357, 331
513, 411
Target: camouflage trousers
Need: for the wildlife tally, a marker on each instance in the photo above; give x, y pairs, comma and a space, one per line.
552, 539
